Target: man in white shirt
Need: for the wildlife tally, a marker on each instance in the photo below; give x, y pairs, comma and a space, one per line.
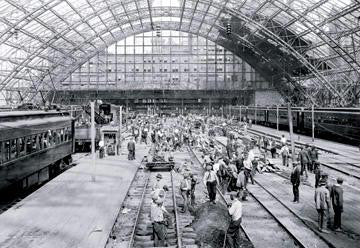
285, 152
248, 164
235, 211
216, 166
283, 140
210, 181
157, 216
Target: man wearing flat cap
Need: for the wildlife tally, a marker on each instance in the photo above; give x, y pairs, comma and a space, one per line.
295, 180
159, 182
337, 202
211, 180
322, 203
158, 216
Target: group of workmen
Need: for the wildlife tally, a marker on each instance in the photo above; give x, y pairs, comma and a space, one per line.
230, 168
326, 194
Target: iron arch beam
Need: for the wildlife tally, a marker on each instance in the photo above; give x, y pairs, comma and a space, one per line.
236, 13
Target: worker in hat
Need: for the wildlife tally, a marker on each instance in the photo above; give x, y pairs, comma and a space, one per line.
131, 149
193, 181
314, 156
337, 202
304, 160
211, 180
241, 183
185, 188
159, 183
317, 172
232, 237
295, 180
158, 216
322, 203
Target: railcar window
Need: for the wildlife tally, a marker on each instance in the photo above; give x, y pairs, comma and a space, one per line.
62, 135
41, 141
13, 149
6, 151
28, 145
34, 144
46, 140
57, 139
67, 133
54, 138
21, 144
51, 138
37, 144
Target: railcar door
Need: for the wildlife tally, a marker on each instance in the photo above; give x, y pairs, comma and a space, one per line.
266, 117
300, 120
73, 135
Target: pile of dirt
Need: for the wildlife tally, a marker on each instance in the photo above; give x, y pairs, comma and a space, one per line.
210, 224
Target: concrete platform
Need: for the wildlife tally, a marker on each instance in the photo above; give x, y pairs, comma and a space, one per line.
76, 209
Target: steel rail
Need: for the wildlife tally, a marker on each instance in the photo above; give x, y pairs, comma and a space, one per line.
296, 215
179, 243
292, 212
299, 145
132, 237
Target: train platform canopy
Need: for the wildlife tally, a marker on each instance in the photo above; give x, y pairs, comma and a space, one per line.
308, 48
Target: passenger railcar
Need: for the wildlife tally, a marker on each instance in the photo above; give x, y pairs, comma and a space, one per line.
340, 124
34, 145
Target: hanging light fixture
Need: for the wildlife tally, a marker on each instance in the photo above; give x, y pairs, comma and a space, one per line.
15, 32
228, 28
158, 31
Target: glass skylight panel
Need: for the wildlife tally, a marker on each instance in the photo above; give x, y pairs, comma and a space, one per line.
210, 18
130, 6
63, 8
189, 4
79, 4
165, 3
167, 14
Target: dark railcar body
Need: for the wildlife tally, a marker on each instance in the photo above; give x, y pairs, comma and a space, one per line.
30, 142
340, 124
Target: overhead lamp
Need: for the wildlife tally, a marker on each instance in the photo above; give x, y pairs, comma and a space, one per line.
228, 29
15, 32
158, 31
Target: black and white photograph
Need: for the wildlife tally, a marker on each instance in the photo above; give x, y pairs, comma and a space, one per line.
179, 123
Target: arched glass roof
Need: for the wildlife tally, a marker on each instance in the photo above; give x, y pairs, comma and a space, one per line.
309, 46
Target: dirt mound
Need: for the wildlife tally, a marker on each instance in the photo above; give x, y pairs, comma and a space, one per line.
210, 224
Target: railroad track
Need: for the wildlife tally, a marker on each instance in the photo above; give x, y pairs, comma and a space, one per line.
133, 227
195, 158
346, 168
283, 218
143, 231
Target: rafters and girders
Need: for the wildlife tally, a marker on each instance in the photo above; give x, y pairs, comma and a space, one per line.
263, 22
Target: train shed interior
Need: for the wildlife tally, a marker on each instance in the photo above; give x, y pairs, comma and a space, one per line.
145, 123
